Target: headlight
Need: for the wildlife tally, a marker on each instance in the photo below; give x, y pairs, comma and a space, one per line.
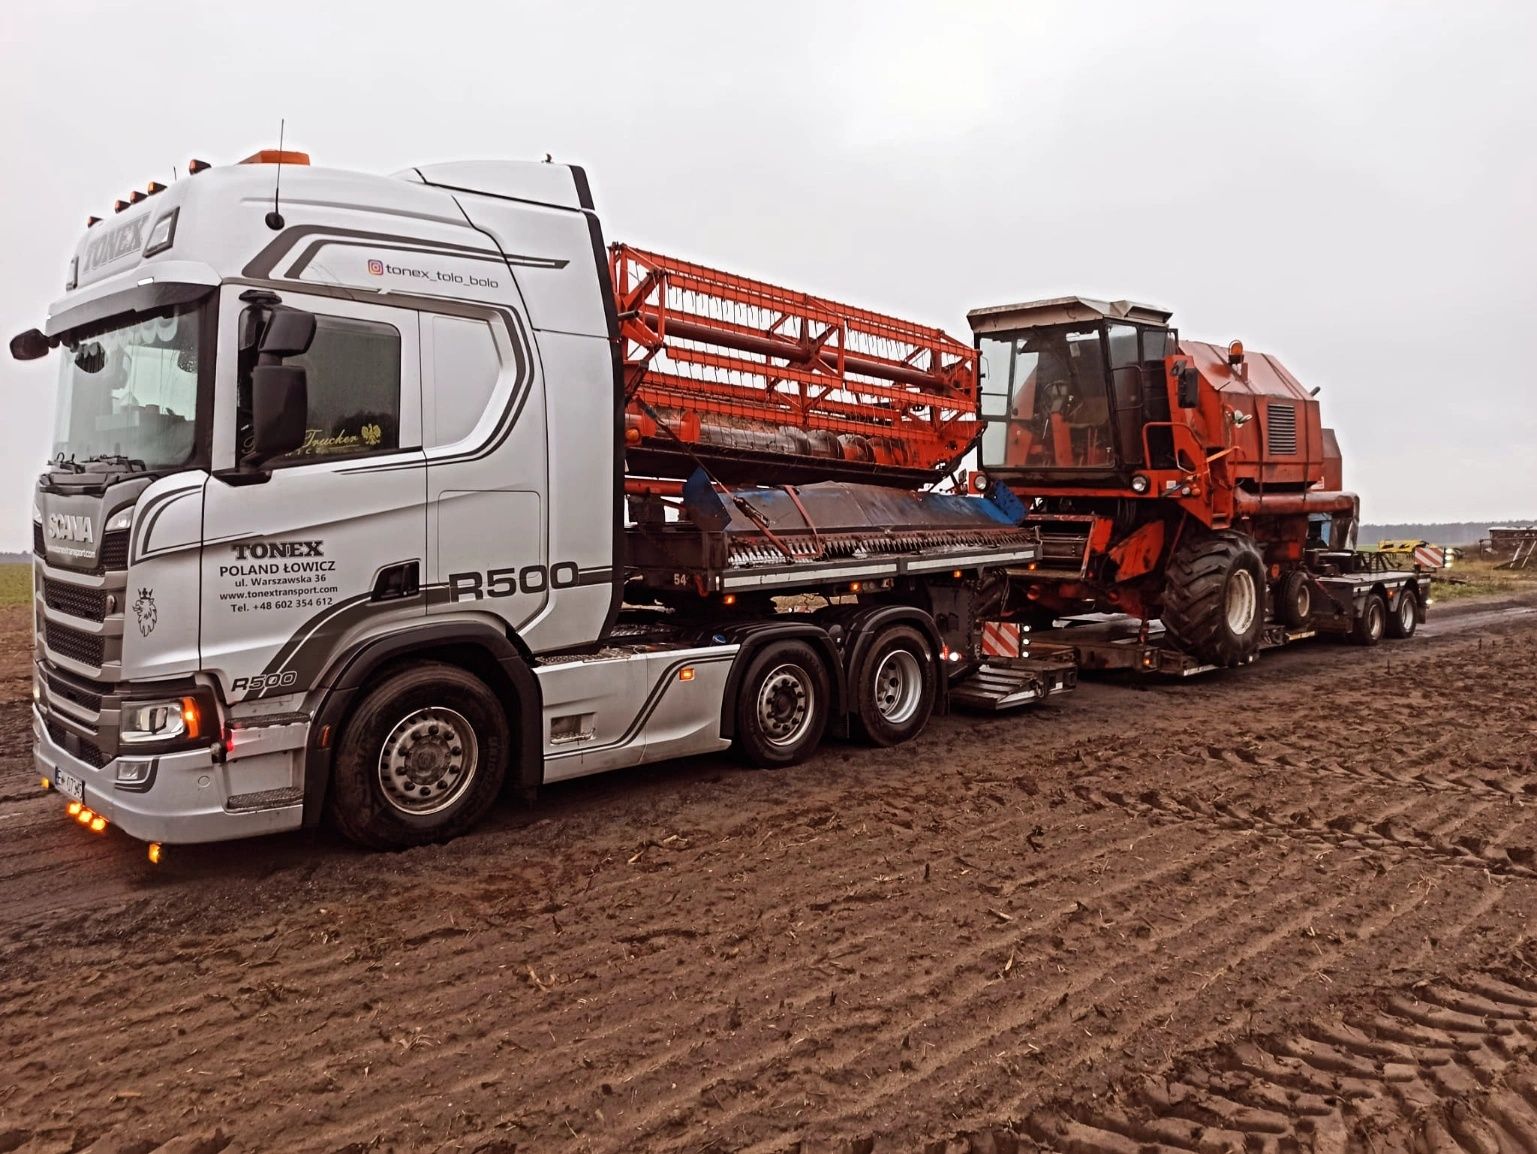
120, 520
1139, 483
179, 718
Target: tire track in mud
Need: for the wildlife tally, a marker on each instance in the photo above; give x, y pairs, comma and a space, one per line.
1445, 1065
1377, 833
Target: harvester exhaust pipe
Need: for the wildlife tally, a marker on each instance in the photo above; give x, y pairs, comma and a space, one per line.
1280, 504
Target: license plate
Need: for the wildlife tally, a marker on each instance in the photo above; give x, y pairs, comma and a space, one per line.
69, 785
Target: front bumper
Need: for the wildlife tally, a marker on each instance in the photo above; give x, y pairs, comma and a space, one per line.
186, 799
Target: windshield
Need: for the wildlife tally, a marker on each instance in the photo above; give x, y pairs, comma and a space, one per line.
130, 391
1045, 400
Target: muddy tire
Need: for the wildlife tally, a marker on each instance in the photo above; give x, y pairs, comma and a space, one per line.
1403, 618
421, 759
1368, 628
1214, 598
895, 687
1294, 600
782, 705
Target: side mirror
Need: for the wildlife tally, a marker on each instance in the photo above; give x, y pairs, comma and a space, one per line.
279, 410
1188, 393
30, 345
289, 333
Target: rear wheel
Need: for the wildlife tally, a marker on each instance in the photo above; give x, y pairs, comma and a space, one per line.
1294, 600
1368, 628
894, 687
1214, 598
421, 760
1403, 620
782, 706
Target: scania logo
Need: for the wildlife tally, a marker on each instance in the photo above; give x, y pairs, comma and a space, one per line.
70, 527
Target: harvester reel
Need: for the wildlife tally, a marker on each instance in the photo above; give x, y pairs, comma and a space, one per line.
1214, 598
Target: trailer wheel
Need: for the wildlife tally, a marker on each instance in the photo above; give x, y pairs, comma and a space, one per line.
895, 686
1294, 600
1214, 598
1404, 619
782, 708
421, 760
1368, 628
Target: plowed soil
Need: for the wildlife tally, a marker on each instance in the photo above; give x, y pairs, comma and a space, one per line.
1282, 909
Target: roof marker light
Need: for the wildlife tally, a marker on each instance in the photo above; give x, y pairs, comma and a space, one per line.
119, 205
92, 221
277, 156
154, 187
135, 196
196, 166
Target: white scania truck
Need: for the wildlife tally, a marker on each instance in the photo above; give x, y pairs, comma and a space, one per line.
380, 495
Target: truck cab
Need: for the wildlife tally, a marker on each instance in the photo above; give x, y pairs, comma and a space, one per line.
196, 585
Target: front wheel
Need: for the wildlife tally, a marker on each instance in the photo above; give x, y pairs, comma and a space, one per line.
895, 687
421, 760
1404, 619
1214, 598
783, 705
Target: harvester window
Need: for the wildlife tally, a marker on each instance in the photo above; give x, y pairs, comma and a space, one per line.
353, 372
1057, 410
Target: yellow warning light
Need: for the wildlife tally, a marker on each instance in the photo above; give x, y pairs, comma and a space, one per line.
686, 673
44, 783
98, 824
729, 599
74, 808
956, 574
84, 817
155, 853
855, 586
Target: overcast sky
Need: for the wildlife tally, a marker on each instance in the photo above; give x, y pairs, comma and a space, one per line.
1352, 186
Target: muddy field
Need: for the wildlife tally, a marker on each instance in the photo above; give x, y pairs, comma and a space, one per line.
1283, 909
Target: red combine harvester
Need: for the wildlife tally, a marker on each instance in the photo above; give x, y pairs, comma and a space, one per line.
1172, 480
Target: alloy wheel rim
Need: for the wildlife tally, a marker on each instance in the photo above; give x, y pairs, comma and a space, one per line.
428, 761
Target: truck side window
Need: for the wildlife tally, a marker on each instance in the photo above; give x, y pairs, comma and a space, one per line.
353, 370
465, 367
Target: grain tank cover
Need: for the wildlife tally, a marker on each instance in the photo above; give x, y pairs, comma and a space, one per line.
764, 384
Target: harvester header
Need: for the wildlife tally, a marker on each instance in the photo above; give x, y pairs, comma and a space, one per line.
742, 375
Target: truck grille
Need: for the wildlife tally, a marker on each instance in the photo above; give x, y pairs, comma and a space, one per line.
75, 600
1281, 428
83, 748
85, 694
114, 550
75, 644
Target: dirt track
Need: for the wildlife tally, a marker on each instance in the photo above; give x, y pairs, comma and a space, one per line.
1280, 909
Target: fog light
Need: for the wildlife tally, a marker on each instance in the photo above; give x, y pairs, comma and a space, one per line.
134, 772
84, 816
98, 824
74, 808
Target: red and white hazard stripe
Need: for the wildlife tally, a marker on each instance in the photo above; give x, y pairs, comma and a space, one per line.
1430, 557
1001, 639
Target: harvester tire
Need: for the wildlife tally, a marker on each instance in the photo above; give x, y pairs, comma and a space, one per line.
1214, 598
1368, 628
1403, 619
1294, 600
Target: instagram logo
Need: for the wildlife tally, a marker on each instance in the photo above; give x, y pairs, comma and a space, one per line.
376, 268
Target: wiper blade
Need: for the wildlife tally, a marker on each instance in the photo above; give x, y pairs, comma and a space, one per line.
63, 462
133, 464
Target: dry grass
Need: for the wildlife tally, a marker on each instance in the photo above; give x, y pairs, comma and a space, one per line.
1478, 577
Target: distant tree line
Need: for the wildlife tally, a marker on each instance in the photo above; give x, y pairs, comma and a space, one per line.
1437, 533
